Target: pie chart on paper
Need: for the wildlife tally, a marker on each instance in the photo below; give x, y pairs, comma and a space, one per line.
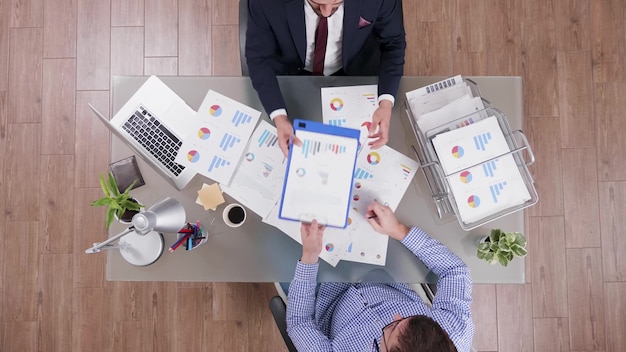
215, 110
457, 151
193, 156
204, 133
473, 201
466, 177
336, 104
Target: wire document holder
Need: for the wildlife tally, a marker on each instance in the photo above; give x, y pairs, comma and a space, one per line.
436, 178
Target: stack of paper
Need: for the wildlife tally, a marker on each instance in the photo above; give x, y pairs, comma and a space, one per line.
214, 147
259, 179
383, 174
441, 103
472, 150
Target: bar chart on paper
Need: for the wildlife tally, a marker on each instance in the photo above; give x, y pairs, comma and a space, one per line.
267, 139
495, 190
361, 174
218, 162
312, 147
482, 140
241, 118
337, 122
228, 141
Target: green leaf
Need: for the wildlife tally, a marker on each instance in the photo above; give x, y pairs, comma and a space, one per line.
503, 245
131, 186
519, 250
489, 257
113, 186
102, 202
520, 239
503, 260
103, 184
483, 247
494, 237
109, 217
131, 205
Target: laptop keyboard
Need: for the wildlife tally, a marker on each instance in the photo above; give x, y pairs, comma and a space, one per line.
155, 137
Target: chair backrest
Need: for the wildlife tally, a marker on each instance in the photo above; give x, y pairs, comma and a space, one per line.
243, 26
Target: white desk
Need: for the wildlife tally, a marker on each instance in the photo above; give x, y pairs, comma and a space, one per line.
257, 252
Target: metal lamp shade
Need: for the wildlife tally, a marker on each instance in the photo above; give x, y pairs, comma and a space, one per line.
166, 216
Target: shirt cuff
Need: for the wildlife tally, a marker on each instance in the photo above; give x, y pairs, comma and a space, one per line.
277, 112
306, 272
414, 238
387, 97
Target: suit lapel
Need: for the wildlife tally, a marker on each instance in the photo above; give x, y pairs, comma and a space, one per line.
295, 17
351, 11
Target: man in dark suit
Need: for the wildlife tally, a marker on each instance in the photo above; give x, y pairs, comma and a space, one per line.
284, 38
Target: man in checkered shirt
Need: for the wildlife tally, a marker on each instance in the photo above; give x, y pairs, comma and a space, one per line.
380, 317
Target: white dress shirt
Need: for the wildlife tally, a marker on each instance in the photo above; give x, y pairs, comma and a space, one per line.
333, 58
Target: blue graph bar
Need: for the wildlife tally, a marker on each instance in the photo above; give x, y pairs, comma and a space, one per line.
481, 140
241, 118
305, 148
337, 122
267, 138
489, 168
218, 162
495, 190
228, 141
362, 174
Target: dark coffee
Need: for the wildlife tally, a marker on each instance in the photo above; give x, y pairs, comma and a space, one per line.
236, 215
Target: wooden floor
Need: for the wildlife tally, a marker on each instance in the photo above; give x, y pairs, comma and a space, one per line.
58, 55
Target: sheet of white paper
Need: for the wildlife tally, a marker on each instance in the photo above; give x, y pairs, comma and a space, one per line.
318, 178
367, 245
422, 105
214, 147
488, 188
381, 174
259, 179
471, 145
350, 106
455, 110
384, 175
334, 241
435, 87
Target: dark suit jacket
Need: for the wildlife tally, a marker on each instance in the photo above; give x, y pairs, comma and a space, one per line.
276, 43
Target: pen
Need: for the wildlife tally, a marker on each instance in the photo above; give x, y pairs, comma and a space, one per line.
179, 242
372, 217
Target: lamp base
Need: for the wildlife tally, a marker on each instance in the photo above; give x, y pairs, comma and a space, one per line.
141, 250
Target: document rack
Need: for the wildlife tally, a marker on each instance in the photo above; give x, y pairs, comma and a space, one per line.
433, 171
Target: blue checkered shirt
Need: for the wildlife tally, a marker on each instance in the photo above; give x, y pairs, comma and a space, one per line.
349, 317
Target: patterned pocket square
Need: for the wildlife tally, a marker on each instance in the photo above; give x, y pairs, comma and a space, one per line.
363, 22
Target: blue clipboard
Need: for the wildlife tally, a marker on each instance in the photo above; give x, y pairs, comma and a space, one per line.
318, 179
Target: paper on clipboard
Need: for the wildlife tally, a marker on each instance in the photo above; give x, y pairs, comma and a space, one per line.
318, 179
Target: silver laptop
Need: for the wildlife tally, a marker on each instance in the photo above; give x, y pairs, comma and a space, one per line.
153, 122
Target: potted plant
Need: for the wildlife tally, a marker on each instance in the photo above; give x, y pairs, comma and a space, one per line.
501, 247
121, 205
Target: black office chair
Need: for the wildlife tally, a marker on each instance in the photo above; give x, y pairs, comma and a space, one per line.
243, 26
279, 311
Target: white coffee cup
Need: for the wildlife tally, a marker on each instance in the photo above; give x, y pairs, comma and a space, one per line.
234, 215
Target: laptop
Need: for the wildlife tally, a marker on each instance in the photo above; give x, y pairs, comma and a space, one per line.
152, 123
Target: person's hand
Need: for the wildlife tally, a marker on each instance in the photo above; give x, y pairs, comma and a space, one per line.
312, 235
383, 220
379, 128
285, 133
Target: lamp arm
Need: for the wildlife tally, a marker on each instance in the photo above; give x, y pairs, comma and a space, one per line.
98, 246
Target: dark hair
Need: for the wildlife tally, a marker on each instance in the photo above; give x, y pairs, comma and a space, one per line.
422, 334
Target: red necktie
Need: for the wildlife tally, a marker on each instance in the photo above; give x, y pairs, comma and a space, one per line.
321, 36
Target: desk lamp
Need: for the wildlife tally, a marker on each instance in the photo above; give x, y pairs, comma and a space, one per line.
142, 243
